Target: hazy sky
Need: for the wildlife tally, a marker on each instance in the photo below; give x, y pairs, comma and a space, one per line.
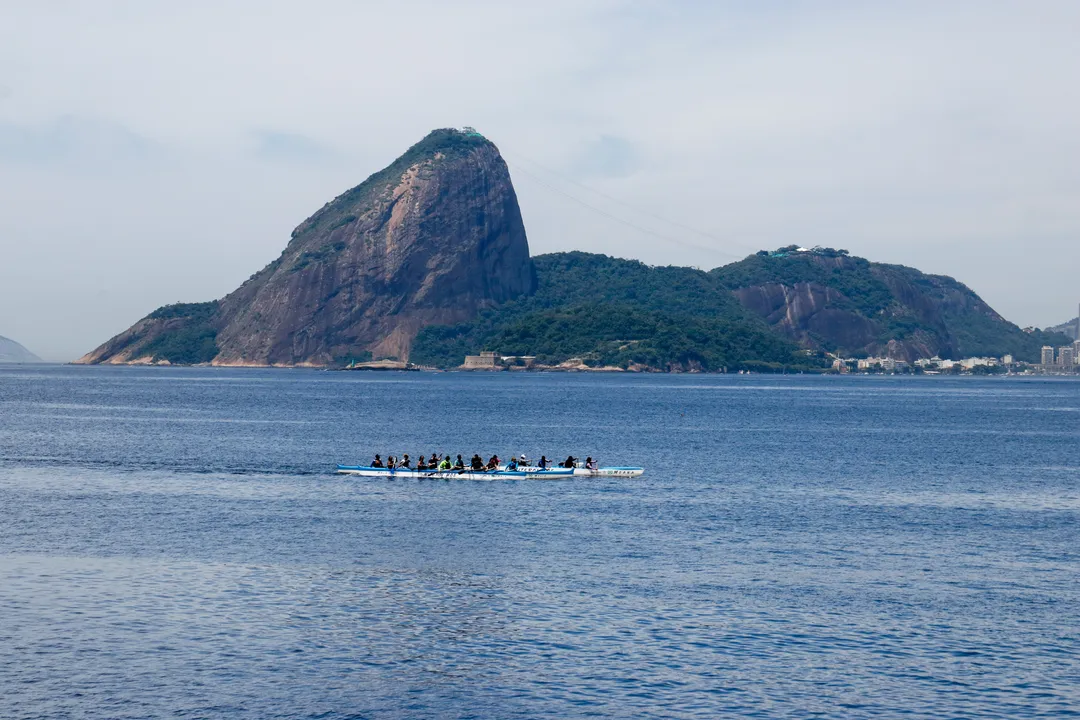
154, 152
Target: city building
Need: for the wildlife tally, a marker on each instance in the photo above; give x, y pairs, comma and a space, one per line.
1047, 355
1065, 356
483, 361
1076, 352
1007, 360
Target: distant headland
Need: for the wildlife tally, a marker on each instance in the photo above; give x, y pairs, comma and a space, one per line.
13, 352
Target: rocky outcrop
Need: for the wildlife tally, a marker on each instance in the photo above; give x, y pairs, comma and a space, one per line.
809, 312
432, 239
827, 300
13, 352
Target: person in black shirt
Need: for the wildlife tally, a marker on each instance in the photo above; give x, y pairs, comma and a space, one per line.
377, 462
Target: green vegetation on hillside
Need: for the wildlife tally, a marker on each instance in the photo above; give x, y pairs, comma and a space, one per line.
190, 337
904, 303
608, 311
851, 276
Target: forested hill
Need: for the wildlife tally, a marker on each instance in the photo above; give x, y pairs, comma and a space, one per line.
784, 308
825, 299
1068, 329
616, 312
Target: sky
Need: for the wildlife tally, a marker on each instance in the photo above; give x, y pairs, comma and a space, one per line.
155, 152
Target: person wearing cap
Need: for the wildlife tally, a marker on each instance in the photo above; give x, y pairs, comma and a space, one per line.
522, 460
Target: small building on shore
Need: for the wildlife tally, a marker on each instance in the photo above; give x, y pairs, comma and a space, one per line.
483, 361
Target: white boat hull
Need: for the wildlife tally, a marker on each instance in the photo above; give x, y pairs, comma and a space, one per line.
623, 472
485, 476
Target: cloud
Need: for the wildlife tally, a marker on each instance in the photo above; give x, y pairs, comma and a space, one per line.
71, 140
607, 157
292, 148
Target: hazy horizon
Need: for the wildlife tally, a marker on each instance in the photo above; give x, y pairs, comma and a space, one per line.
151, 154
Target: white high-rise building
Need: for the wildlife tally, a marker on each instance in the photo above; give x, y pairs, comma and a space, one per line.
1065, 356
1047, 355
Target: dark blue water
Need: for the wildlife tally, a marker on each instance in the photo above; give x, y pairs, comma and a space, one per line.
172, 543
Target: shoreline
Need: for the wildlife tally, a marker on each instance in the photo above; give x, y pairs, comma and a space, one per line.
403, 367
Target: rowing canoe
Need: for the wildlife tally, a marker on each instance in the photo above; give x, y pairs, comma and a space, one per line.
488, 475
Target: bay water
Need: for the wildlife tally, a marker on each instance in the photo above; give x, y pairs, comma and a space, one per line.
174, 543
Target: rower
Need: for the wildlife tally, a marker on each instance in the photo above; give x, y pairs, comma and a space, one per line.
460, 464
543, 462
493, 463
391, 462
421, 464
405, 462
513, 464
522, 460
377, 462
569, 462
445, 464
590, 464
477, 462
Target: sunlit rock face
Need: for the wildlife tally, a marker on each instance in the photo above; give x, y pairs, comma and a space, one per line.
432, 239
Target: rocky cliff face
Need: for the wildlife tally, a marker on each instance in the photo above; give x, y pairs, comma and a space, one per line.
432, 239
827, 300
